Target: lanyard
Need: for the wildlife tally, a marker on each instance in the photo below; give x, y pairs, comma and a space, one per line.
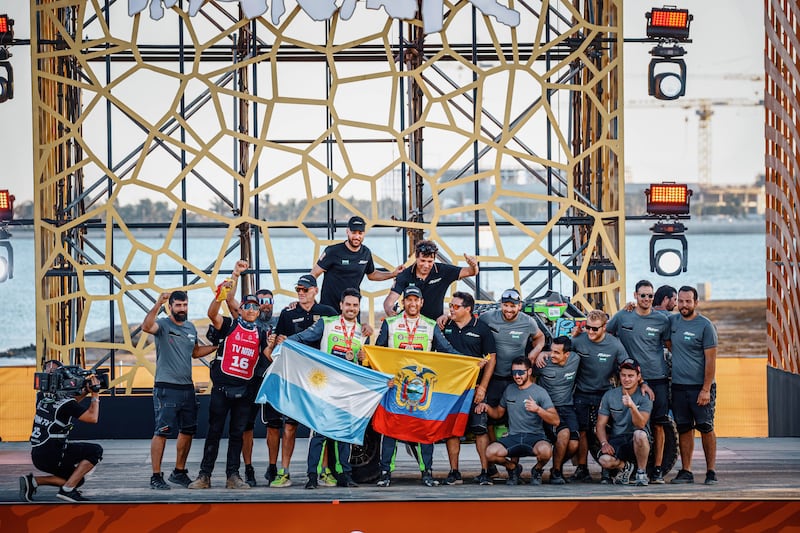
410, 332
348, 337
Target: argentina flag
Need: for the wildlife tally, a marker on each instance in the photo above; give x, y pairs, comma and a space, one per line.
330, 395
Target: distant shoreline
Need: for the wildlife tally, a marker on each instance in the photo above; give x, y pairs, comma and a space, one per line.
697, 226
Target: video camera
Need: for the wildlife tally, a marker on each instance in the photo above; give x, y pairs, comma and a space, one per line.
70, 380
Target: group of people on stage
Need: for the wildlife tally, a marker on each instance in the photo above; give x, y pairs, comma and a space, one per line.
549, 401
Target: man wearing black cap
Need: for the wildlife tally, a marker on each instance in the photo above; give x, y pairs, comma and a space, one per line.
432, 278
345, 264
627, 409
293, 320
511, 329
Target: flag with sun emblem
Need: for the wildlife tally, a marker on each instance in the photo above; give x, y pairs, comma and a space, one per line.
432, 394
330, 395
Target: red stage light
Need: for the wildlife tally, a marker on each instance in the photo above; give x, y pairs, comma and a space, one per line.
6, 205
668, 199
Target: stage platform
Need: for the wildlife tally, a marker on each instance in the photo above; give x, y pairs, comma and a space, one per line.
759, 489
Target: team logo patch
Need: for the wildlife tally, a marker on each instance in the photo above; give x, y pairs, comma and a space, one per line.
416, 387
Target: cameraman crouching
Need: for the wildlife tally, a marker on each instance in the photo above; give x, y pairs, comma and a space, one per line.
66, 462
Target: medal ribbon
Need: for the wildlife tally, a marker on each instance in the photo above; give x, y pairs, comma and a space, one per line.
348, 337
410, 332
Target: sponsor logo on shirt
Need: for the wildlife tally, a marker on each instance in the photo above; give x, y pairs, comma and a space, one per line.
363, 262
472, 334
345, 261
688, 336
603, 356
434, 280
569, 376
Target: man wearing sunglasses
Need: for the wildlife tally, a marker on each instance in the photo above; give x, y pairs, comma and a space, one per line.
528, 407
512, 330
599, 356
625, 410
432, 278
293, 320
345, 264
242, 350
645, 333
471, 337
266, 324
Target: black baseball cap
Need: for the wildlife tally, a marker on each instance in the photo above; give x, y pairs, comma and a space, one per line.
412, 290
511, 295
356, 223
307, 280
631, 364
250, 298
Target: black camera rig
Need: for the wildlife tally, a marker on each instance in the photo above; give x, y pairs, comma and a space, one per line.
70, 380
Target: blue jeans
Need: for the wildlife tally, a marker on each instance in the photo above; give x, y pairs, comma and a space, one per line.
218, 408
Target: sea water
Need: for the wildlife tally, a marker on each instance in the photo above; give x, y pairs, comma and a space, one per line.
734, 265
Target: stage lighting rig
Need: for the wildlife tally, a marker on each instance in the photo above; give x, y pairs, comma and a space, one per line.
6, 214
6, 71
667, 71
668, 202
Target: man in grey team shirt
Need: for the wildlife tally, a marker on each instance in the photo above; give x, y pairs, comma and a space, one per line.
599, 354
174, 400
557, 377
511, 329
645, 333
694, 393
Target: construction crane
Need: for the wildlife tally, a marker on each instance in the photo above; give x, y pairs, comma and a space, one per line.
704, 109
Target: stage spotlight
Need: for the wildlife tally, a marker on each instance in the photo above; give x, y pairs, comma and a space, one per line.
667, 71
6, 81
6, 29
668, 201
6, 205
668, 23
6, 263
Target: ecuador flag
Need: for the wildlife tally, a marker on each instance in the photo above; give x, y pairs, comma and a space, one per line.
431, 397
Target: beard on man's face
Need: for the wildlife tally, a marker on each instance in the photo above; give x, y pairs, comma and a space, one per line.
181, 316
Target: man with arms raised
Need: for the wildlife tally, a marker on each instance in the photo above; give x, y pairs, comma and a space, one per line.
528, 407
470, 336
173, 391
433, 279
627, 410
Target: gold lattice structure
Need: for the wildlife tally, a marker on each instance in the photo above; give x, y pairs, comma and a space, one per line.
782, 188
264, 138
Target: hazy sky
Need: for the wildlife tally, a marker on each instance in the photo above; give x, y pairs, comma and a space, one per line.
660, 138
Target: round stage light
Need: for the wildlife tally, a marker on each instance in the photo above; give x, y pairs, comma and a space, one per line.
669, 86
669, 262
3, 269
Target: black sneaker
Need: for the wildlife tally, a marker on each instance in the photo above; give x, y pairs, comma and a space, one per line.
556, 477
271, 473
492, 471
180, 477
605, 477
581, 474
711, 478
156, 482
74, 495
346, 480
484, 479
513, 476
312, 481
625, 474
658, 476
536, 476
453, 478
385, 480
684, 476
427, 479
250, 475
26, 487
